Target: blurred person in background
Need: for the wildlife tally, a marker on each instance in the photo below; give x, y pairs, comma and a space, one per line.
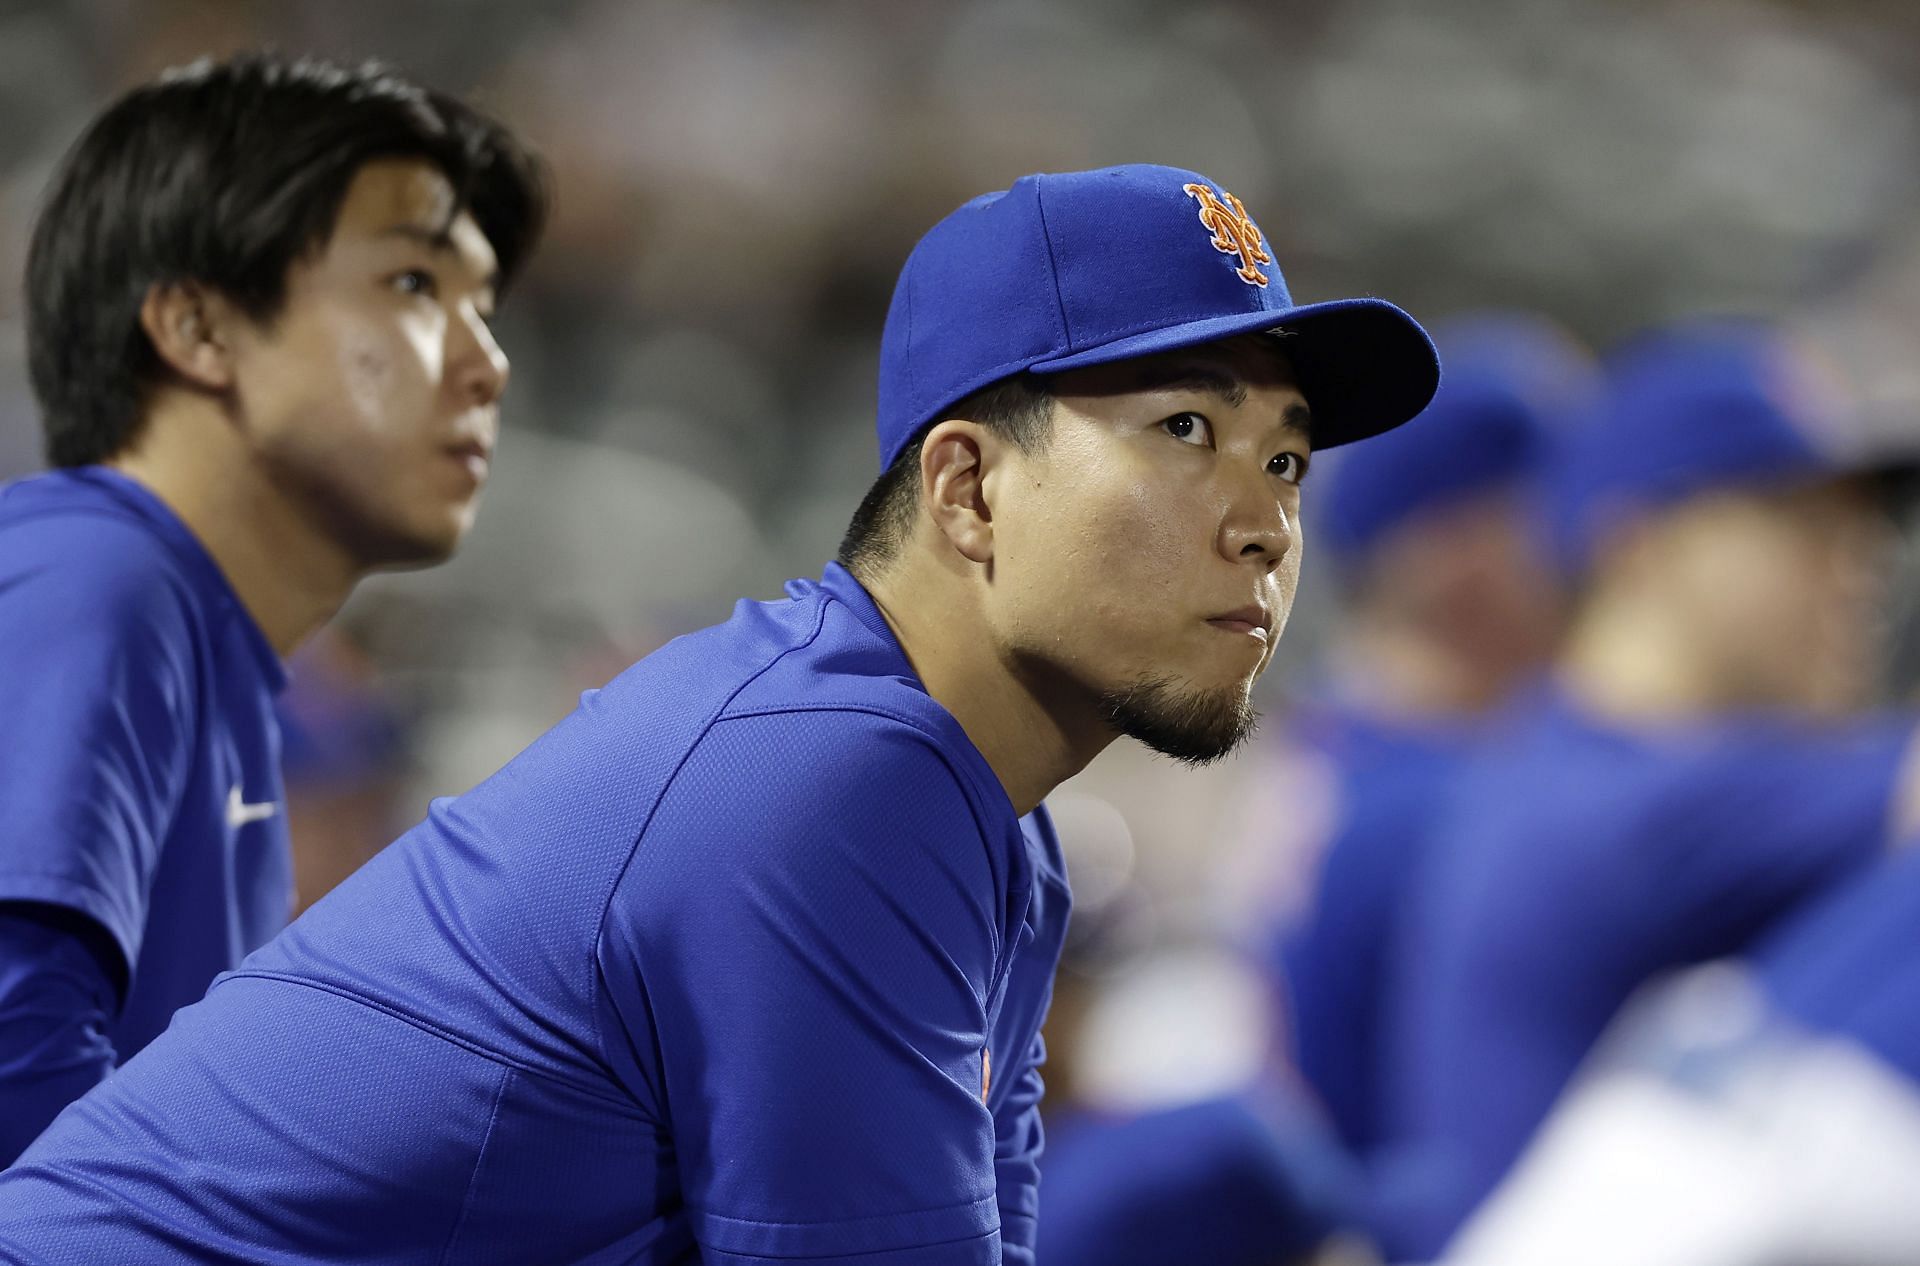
345, 755
1697, 768
258, 297
1237, 1180
1251, 1177
1849, 964
746, 959
1755, 1112
1450, 601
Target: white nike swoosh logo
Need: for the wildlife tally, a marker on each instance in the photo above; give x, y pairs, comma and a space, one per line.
240, 813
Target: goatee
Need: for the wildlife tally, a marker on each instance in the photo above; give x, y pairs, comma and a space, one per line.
1196, 727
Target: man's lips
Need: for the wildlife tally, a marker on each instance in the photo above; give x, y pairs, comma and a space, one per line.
476, 455
1251, 621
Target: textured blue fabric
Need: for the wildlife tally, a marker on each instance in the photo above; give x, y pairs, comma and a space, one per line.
1850, 964
58, 993
722, 960
138, 695
1085, 268
1574, 861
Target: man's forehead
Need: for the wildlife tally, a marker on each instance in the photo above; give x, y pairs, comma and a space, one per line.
413, 199
387, 191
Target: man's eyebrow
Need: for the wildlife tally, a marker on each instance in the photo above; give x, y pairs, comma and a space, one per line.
439, 241
1204, 379
1299, 418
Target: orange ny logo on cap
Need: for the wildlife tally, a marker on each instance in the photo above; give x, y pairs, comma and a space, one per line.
1233, 233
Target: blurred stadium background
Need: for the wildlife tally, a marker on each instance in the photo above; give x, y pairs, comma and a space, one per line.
694, 348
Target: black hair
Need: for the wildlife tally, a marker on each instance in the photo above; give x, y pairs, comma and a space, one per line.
227, 173
1019, 408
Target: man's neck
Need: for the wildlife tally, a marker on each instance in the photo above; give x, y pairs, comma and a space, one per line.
290, 576
1032, 741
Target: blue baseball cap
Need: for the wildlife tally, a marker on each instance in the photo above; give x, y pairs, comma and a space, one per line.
1516, 384
1077, 269
1691, 407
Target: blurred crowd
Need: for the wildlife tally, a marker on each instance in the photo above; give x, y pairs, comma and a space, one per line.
1572, 837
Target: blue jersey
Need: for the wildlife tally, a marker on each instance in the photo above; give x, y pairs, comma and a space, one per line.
745, 961
1336, 959
1235, 1181
139, 773
1575, 860
1850, 963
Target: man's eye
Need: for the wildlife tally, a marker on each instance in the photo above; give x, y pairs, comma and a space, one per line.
416, 281
1289, 466
1190, 428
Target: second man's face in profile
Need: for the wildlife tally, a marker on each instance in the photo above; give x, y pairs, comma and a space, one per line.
371, 399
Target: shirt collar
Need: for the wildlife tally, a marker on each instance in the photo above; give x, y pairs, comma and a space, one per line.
839, 583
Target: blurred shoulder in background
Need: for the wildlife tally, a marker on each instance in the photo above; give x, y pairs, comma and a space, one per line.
1703, 761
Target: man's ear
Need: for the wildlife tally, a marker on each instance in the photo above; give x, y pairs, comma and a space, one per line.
190, 327
954, 459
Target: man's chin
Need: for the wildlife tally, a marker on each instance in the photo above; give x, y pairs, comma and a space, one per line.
1192, 724
420, 547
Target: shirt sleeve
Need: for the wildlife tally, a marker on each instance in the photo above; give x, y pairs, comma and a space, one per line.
1509, 967
800, 955
57, 991
1018, 1142
1780, 813
97, 693
1846, 964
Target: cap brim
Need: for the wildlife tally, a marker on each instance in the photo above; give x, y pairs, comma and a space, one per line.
1893, 481
1364, 365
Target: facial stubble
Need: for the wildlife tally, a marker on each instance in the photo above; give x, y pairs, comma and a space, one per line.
1196, 727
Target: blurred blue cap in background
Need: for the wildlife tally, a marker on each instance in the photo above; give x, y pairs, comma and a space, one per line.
1514, 384
1688, 408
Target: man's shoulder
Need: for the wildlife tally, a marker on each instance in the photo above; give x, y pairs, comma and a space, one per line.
782, 695
805, 666
1760, 747
1536, 817
853, 681
80, 494
65, 543
1540, 764
840, 751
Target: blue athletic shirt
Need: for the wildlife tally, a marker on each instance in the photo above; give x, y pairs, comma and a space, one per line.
749, 953
1850, 964
1336, 958
1242, 1180
1573, 861
139, 771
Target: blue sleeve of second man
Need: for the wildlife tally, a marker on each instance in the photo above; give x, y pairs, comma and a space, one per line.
98, 699
57, 992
